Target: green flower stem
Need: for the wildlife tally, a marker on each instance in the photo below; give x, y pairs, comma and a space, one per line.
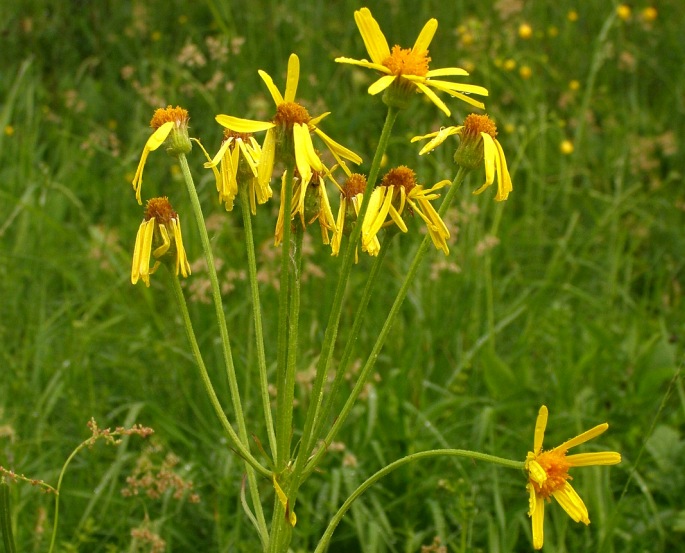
251, 464
257, 312
475, 455
394, 310
209, 388
244, 448
349, 347
6, 518
283, 422
314, 411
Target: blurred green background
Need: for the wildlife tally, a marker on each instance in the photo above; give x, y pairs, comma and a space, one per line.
569, 294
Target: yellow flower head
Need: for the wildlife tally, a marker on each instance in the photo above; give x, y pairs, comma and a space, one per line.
161, 230
406, 70
290, 130
478, 145
238, 161
351, 198
548, 474
169, 123
398, 195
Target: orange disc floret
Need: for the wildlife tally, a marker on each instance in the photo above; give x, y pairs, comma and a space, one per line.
244, 136
404, 61
556, 467
401, 176
160, 209
476, 124
356, 184
291, 113
177, 115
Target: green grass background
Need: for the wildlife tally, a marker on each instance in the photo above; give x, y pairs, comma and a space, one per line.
569, 294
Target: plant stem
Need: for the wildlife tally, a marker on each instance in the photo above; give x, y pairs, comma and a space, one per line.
349, 347
6, 518
326, 538
223, 330
394, 310
313, 413
257, 313
283, 421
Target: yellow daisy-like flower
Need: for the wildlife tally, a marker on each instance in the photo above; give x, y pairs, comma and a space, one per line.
164, 121
478, 145
398, 194
548, 474
290, 129
351, 198
161, 230
406, 69
238, 160
310, 202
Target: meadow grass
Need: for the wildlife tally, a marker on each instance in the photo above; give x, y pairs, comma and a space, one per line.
569, 294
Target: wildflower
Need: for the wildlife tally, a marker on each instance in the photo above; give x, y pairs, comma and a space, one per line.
398, 190
566, 147
169, 123
548, 474
649, 14
406, 70
351, 198
310, 202
478, 144
290, 130
624, 12
235, 169
159, 236
525, 31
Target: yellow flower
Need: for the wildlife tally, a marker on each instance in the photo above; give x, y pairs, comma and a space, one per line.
548, 474
161, 230
525, 31
407, 69
290, 130
310, 202
624, 12
164, 121
398, 194
478, 145
234, 168
351, 198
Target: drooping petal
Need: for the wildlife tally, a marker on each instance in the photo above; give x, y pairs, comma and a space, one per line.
381, 84
374, 39
504, 185
433, 98
337, 149
571, 502
292, 78
236, 124
437, 138
537, 515
155, 140
489, 153
275, 94
449, 87
425, 36
266, 163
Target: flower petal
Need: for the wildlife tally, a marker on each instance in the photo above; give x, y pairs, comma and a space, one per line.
537, 515
292, 79
592, 459
571, 502
540, 425
434, 98
584, 437
381, 84
275, 94
374, 39
364, 63
237, 124
266, 162
425, 37
504, 186
447, 72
